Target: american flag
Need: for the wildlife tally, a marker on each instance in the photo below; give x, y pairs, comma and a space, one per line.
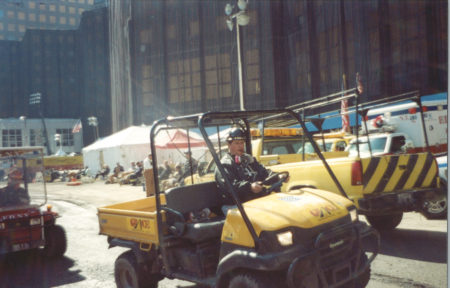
78, 126
344, 108
359, 85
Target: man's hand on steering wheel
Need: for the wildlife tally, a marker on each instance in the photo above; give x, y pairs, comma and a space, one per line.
281, 176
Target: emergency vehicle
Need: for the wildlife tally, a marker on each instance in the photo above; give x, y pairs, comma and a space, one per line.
406, 118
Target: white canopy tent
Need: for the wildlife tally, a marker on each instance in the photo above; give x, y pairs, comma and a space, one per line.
133, 144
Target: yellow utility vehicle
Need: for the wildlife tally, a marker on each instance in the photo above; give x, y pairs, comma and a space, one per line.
276, 145
301, 238
382, 185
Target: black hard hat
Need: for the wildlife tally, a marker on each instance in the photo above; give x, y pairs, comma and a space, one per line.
236, 134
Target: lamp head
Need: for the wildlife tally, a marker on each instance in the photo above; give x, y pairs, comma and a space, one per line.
242, 19
242, 4
228, 9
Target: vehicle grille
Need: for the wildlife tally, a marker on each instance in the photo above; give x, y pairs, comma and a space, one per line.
338, 253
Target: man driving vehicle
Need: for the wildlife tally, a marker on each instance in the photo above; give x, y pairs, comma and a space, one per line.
244, 172
13, 193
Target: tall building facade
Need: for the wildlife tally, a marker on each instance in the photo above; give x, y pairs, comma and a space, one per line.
69, 68
132, 62
16, 16
184, 59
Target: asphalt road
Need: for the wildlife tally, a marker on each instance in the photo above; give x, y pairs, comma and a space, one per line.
414, 255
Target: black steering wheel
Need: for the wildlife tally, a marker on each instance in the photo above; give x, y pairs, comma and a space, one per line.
275, 185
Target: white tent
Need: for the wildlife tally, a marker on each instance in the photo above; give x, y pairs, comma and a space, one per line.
133, 144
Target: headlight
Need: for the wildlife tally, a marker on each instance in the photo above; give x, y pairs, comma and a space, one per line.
35, 221
285, 238
353, 214
2, 225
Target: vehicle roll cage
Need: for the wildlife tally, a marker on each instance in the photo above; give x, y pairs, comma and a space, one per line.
246, 120
22, 154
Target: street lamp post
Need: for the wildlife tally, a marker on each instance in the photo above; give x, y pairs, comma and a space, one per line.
242, 19
35, 99
25, 134
93, 121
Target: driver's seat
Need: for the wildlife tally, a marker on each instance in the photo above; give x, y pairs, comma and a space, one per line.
186, 199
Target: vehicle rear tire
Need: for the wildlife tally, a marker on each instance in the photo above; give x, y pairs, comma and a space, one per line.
128, 274
385, 222
364, 278
55, 241
437, 207
251, 280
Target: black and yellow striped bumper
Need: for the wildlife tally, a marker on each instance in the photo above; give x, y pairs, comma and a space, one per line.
402, 172
398, 183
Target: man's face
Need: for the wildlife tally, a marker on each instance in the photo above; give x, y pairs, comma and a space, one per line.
237, 147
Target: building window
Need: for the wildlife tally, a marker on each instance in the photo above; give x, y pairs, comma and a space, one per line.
31, 5
72, 21
10, 14
52, 8
66, 136
42, 18
72, 10
35, 138
11, 27
53, 19
62, 9
22, 28
21, 16
11, 138
62, 20
32, 17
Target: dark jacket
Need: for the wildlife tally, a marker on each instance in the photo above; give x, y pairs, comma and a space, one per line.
10, 196
241, 173
187, 168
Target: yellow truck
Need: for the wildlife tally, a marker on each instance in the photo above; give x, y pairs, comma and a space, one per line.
300, 238
282, 145
285, 145
53, 165
382, 185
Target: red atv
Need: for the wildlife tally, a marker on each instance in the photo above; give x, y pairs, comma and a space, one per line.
25, 222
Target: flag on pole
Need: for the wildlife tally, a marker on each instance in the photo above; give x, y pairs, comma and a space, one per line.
359, 84
78, 126
344, 108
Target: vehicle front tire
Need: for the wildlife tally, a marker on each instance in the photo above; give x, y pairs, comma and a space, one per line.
55, 241
364, 278
128, 274
251, 280
385, 222
436, 208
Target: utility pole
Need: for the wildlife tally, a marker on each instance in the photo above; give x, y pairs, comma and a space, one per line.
35, 99
242, 19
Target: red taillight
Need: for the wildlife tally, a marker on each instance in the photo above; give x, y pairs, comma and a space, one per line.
412, 110
424, 108
356, 173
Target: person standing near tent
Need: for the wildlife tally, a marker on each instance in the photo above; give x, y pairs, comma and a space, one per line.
148, 162
148, 175
190, 166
